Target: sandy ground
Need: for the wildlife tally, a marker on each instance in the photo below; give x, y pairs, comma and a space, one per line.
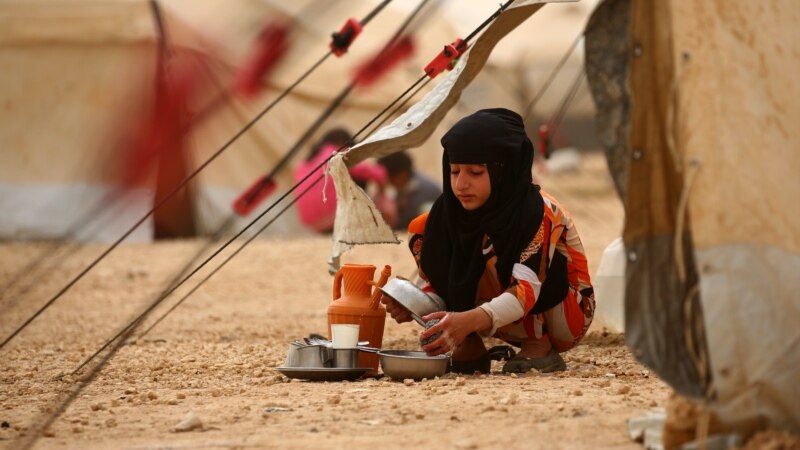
215, 356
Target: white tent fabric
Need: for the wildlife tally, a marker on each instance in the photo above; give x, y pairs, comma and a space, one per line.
79, 65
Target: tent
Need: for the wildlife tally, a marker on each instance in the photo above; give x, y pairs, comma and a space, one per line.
79, 67
697, 101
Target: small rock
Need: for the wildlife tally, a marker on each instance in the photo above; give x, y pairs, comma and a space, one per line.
5, 424
181, 396
77, 430
623, 390
408, 382
114, 402
270, 409
48, 433
96, 406
514, 375
611, 375
472, 391
215, 393
460, 381
190, 422
646, 373
335, 399
577, 393
172, 401
111, 423
131, 391
510, 400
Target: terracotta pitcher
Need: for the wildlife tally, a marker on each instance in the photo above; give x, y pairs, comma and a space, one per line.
359, 302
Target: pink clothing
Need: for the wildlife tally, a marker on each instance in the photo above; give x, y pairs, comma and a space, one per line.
315, 213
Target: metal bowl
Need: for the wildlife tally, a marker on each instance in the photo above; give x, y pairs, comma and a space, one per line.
412, 297
402, 364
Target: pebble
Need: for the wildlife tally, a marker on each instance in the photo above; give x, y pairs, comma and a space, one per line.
152, 395
335, 399
472, 391
577, 393
190, 422
460, 381
510, 400
623, 390
408, 382
181, 396
611, 375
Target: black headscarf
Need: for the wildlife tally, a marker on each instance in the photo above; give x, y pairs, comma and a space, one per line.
452, 256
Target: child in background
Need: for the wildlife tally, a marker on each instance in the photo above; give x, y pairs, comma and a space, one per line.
319, 215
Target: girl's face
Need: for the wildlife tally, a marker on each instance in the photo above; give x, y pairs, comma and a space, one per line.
471, 184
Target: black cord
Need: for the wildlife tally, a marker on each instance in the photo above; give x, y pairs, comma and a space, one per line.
172, 193
128, 330
570, 95
293, 150
374, 12
552, 75
350, 142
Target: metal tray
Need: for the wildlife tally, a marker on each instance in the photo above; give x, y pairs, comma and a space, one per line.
323, 373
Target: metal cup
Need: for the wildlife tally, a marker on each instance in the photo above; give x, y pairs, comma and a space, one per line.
310, 356
345, 358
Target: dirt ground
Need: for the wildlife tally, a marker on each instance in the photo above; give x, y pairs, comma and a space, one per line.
215, 356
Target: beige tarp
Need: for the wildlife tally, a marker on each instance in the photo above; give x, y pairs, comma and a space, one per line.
711, 228
739, 107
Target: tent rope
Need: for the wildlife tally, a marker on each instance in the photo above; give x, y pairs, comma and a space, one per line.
120, 342
90, 376
566, 102
552, 76
174, 191
259, 216
223, 229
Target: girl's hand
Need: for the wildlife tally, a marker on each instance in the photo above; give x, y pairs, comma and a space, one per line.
454, 328
398, 312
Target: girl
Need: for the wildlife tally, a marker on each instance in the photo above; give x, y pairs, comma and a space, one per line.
503, 255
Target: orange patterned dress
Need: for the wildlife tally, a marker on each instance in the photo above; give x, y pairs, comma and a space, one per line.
563, 323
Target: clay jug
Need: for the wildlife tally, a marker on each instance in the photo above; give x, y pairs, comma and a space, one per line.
356, 299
